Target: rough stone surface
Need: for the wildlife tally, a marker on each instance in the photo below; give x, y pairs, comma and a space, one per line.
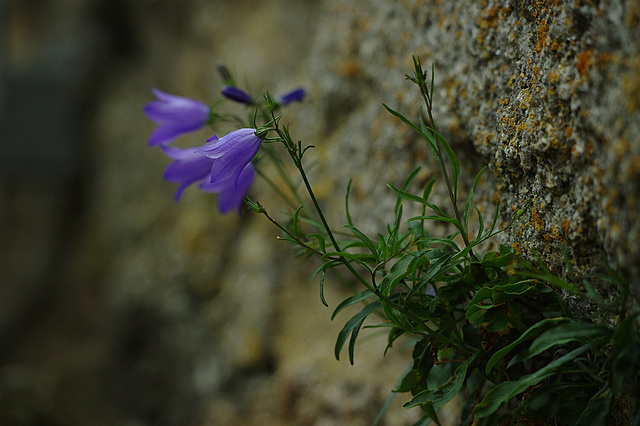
170, 314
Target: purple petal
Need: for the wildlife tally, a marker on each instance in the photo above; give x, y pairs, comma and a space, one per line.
188, 167
231, 197
231, 153
165, 134
236, 95
175, 115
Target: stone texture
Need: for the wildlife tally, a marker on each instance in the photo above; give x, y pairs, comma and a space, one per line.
169, 313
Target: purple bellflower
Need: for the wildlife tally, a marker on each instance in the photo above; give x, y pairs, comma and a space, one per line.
293, 96
189, 166
175, 115
231, 154
236, 95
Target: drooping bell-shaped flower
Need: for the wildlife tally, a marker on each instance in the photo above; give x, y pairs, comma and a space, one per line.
174, 115
231, 153
293, 96
189, 166
237, 95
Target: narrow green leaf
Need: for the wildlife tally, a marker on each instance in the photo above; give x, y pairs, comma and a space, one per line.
597, 410
453, 161
320, 239
352, 340
352, 300
366, 240
351, 325
431, 140
626, 347
415, 198
428, 188
442, 394
534, 331
451, 220
480, 222
322, 270
404, 119
399, 270
435, 269
359, 258
504, 391
295, 221
591, 292
567, 332
346, 203
467, 206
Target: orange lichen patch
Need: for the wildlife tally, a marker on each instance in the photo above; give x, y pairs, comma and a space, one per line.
536, 73
516, 247
505, 11
584, 61
566, 226
543, 30
588, 150
569, 131
536, 219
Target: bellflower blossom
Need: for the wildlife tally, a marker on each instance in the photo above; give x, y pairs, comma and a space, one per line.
293, 96
175, 115
237, 95
231, 154
189, 166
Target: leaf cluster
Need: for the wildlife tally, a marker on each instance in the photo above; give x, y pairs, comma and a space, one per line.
491, 328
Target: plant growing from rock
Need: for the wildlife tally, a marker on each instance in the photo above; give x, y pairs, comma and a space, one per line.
489, 326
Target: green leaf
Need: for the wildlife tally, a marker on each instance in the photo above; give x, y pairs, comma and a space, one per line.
534, 331
597, 410
428, 188
352, 327
398, 271
349, 301
359, 258
412, 197
323, 270
451, 220
567, 332
435, 269
295, 221
480, 222
503, 392
320, 239
366, 240
626, 347
439, 396
469, 203
453, 161
403, 118
346, 203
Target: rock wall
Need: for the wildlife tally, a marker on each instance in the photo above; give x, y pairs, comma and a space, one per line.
163, 313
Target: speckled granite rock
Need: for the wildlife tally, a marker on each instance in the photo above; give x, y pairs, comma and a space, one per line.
547, 92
